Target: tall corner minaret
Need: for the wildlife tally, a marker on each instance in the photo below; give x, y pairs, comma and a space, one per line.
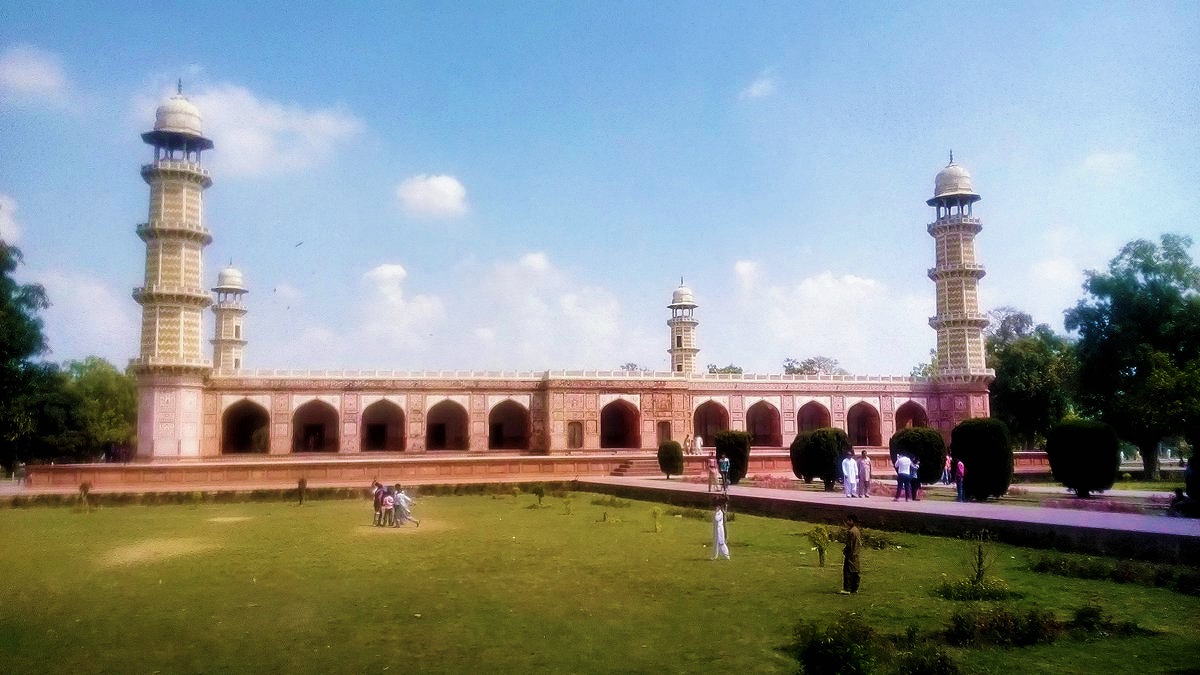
170, 366
959, 322
229, 342
683, 330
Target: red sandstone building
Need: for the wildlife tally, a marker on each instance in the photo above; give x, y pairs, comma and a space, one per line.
192, 408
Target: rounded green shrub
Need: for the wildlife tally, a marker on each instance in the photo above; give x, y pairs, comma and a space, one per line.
926, 445
818, 453
983, 446
670, 458
1085, 456
736, 446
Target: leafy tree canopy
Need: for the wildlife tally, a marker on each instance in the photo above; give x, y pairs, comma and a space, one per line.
108, 401
1139, 344
816, 365
926, 369
21, 340
726, 370
631, 367
1035, 375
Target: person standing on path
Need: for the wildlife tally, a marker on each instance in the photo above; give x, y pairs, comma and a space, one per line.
946, 471
699, 441
960, 472
711, 465
864, 475
687, 445
914, 479
851, 568
720, 543
723, 466
850, 474
903, 466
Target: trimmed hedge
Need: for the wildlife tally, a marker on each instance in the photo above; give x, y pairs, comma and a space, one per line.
982, 444
923, 443
818, 454
736, 446
670, 458
1084, 455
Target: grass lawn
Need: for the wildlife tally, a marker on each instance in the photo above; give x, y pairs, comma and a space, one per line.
489, 585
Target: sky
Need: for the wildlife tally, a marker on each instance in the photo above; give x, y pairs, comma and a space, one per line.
522, 185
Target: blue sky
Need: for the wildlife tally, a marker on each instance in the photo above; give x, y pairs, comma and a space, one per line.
521, 185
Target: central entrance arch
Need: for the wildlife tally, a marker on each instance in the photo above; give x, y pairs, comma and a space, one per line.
245, 428
619, 426
862, 425
508, 427
446, 427
762, 421
708, 419
314, 428
812, 416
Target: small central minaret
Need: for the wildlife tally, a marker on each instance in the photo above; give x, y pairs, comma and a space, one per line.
229, 343
170, 366
683, 330
958, 322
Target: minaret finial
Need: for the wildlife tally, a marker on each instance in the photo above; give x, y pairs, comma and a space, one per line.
179, 87
680, 279
951, 156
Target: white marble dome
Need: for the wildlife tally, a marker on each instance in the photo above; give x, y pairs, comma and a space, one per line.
230, 279
178, 115
954, 181
683, 296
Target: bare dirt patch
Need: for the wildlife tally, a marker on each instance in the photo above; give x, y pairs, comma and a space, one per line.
228, 519
153, 550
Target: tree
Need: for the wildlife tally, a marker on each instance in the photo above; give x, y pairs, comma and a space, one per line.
983, 446
816, 365
1139, 344
818, 454
1035, 374
1084, 455
730, 369
21, 340
926, 445
736, 446
927, 369
109, 403
670, 458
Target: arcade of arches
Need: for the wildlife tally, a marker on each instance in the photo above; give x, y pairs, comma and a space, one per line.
245, 426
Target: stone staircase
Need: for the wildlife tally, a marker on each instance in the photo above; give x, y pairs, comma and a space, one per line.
638, 467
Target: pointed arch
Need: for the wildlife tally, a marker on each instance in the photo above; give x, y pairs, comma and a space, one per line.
315, 428
446, 427
508, 426
708, 419
620, 425
245, 428
812, 416
383, 427
762, 421
911, 414
862, 425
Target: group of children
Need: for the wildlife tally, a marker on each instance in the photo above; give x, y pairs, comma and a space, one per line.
393, 506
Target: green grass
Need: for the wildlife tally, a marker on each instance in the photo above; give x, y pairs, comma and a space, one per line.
487, 584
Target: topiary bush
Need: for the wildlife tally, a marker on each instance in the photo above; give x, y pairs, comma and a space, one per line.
1085, 456
736, 446
818, 454
982, 444
670, 458
926, 445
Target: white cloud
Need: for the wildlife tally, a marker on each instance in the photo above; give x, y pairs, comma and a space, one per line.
10, 230
747, 274
257, 136
434, 196
88, 317
394, 317
31, 75
1108, 167
764, 85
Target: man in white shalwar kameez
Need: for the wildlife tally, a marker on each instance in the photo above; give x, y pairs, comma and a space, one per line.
850, 474
720, 546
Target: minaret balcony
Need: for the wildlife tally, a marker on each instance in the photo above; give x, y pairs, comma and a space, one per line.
158, 293
159, 229
963, 271
232, 342
958, 320
955, 224
170, 364
177, 168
